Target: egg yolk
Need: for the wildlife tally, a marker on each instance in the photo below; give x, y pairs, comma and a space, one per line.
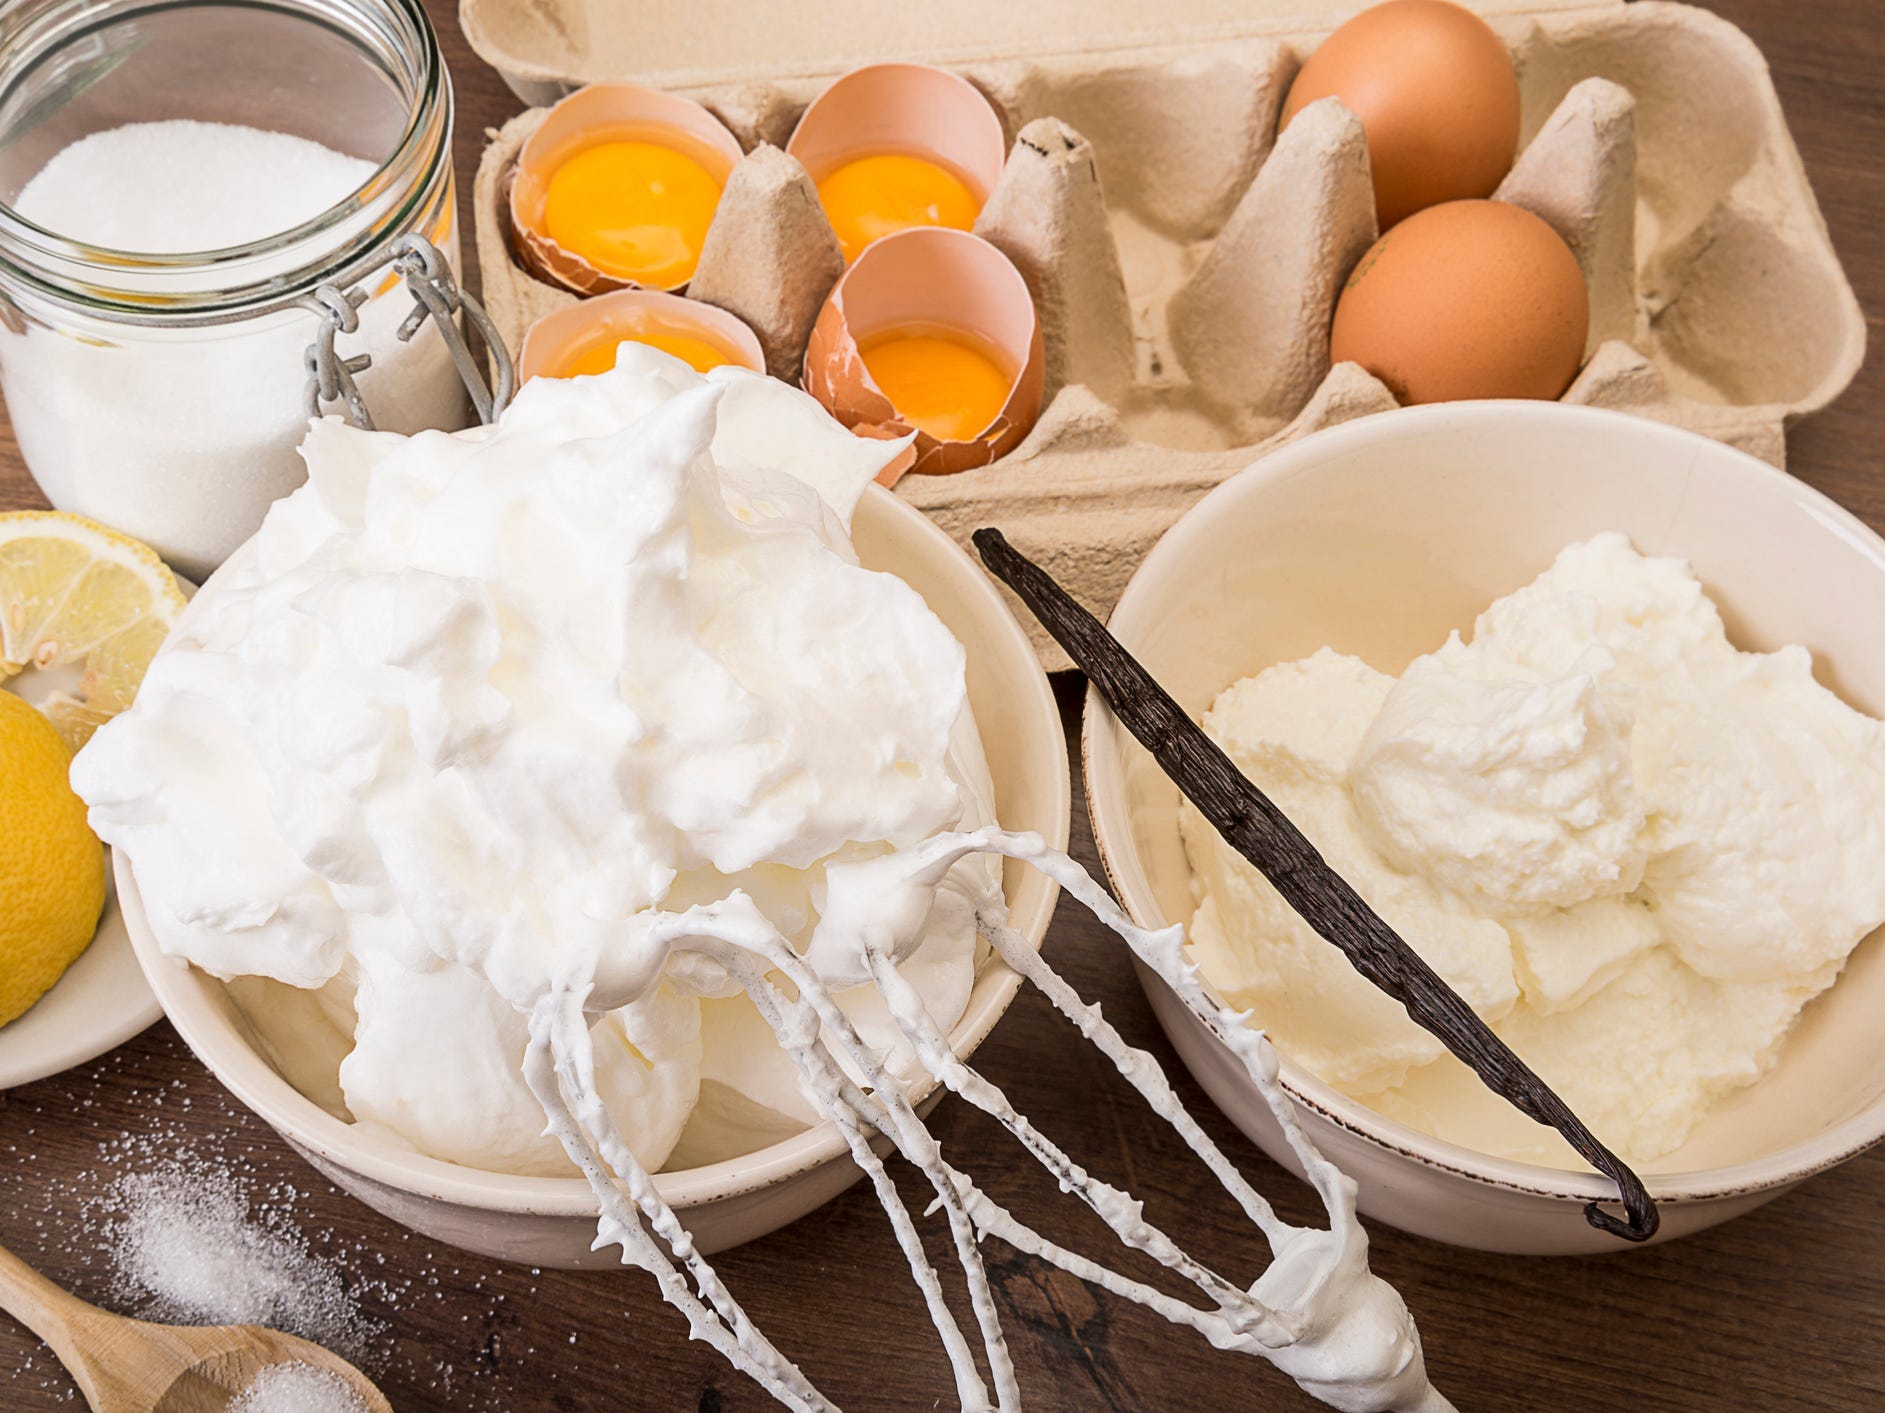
697, 353
873, 196
940, 381
635, 210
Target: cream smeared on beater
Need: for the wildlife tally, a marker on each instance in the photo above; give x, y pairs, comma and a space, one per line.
561, 732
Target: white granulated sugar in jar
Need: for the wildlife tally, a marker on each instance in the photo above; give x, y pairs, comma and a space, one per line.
179, 187
184, 436
297, 1388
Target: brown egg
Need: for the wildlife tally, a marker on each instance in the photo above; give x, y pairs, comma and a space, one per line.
1436, 92
1466, 300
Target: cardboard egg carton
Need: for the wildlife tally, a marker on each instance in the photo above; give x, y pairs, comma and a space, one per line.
1185, 259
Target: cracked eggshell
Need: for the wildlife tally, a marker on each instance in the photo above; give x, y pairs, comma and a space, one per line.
938, 277
622, 314
910, 109
587, 117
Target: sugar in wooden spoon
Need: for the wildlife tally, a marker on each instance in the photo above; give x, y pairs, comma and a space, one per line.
135, 1366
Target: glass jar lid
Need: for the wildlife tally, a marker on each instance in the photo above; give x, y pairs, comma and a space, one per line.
363, 78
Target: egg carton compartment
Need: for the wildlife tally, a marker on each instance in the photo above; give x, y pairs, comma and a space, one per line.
1185, 259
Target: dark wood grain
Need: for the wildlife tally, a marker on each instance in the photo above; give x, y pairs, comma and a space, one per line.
1781, 1310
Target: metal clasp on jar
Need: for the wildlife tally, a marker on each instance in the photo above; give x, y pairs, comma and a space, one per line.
436, 297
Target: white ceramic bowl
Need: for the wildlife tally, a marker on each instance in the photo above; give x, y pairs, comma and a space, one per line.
551, 1221
1378, 538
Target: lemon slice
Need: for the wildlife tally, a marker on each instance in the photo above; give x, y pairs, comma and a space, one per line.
76, 596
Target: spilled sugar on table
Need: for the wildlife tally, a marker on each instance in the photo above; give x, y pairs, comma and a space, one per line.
1783, 1309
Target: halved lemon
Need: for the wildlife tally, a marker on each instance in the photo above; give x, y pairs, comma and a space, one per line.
52, 868
79, 597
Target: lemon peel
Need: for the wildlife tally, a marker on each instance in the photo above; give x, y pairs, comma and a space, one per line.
52, 867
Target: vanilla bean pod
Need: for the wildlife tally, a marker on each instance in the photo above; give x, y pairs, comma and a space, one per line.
1252, 824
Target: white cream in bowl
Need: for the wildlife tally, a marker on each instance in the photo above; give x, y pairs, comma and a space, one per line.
471, 704
1635, 850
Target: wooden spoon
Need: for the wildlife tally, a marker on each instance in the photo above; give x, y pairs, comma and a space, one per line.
134, 1366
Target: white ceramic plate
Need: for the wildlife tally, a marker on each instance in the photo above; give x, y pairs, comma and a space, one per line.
100, 1003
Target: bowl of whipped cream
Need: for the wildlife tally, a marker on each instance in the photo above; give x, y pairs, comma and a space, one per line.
1586, 708
427, 763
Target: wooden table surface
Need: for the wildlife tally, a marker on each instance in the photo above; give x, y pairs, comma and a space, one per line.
1784, 1309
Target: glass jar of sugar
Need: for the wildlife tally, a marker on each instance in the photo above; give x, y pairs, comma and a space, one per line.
176, 176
